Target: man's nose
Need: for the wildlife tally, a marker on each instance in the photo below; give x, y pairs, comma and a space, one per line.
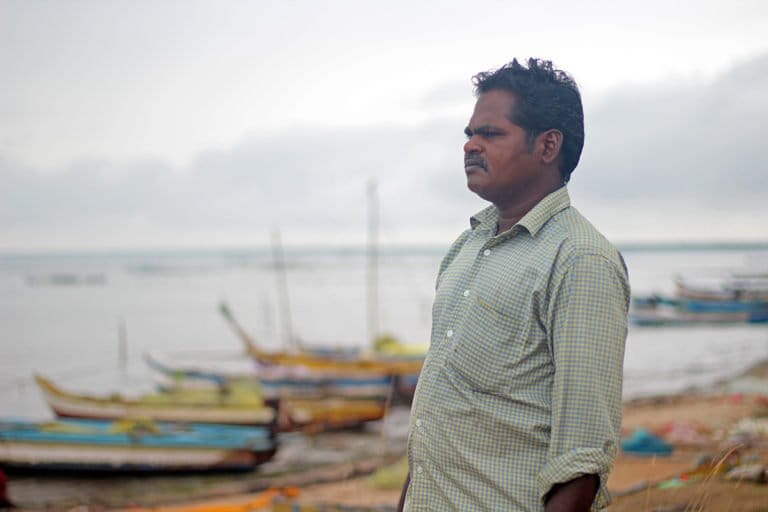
471, 146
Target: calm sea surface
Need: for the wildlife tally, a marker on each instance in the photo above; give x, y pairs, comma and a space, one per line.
60, 315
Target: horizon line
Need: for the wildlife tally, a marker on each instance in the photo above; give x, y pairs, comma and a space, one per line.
658, 245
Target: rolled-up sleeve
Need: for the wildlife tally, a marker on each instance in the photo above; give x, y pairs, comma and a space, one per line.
587, 322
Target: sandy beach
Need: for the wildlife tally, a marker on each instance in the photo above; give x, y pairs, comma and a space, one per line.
634, 480
337, 468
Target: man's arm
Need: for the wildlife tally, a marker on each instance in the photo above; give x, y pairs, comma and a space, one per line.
588, 325
574, 496
401, 501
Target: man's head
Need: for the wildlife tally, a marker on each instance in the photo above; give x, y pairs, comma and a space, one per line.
545, 99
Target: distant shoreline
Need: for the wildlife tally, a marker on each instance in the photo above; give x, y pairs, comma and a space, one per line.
354, 250
757, 370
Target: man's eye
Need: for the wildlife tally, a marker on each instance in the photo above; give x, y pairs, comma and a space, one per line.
482, 133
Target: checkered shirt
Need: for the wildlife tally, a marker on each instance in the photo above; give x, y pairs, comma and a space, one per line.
521, 387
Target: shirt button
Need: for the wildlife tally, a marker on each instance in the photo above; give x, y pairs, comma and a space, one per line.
466, 293
449, 333
418, 423
487, 252
419, 469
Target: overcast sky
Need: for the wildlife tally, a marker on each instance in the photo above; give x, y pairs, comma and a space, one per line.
151, 124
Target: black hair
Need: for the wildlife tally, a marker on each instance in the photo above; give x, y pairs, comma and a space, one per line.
547, 98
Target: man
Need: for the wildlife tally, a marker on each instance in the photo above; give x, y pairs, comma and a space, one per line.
518, 405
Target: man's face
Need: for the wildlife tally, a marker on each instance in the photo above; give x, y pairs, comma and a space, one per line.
498, 161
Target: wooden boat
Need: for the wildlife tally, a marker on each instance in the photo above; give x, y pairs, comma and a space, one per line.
96, 445
370, 363
680, 318
305, 404
403, 368
274, 381
236, 406
306, 414
723, 306
688, 305
736, 288
717, 301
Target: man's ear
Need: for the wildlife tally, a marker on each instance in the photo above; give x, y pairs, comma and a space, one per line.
551, 141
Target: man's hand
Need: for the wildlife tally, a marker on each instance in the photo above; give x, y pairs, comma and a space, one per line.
576, 495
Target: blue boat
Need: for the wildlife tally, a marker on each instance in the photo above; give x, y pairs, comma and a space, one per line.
721, 304
275, 382
133, 446
658, 318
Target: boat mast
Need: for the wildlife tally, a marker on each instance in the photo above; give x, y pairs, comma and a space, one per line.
373, 261
282, 290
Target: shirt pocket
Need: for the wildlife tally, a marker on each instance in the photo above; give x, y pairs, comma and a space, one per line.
488, 345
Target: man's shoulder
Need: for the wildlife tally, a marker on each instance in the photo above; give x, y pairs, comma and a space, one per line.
578, 237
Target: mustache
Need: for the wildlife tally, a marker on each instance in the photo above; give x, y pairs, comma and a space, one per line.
474, 159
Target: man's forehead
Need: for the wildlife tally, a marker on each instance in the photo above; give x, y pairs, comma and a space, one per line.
492, 107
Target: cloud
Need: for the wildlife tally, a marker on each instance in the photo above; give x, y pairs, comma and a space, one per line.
696, 144
304, 180
660, 161
680, 159
85, 190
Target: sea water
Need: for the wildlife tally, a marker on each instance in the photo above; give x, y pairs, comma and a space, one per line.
85, 320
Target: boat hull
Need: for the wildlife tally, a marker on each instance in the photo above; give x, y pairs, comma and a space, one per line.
91, 445
274, 381
71, 405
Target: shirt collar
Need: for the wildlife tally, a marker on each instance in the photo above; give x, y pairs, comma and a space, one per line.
532, 221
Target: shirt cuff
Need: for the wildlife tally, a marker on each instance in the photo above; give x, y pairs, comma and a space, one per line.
573, 464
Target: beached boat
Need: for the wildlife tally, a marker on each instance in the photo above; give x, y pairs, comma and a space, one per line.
699, 305
401, 365
305, 403
673, 317
738, 287
367, 362
95, 445
236, 406
308, 414
711, 300
274, 381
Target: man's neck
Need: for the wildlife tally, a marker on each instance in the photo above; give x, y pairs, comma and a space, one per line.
512, 211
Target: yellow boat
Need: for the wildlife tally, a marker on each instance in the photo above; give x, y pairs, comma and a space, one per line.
369, 362
328, 413
237, 405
